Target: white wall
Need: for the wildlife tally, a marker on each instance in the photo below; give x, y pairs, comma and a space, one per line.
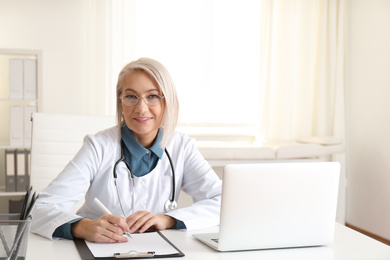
58, 28
368, 115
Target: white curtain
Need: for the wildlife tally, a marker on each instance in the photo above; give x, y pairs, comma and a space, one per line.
302, 73
302, 69
301, 61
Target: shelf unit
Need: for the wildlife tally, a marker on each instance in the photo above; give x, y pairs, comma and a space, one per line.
6, 102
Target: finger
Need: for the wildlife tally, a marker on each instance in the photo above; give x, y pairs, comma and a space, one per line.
119, 222
113, 227
158, 222
142, 219
148, 224
105, 235
111, 236
133, 218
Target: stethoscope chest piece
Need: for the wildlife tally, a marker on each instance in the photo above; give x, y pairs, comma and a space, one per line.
170, 205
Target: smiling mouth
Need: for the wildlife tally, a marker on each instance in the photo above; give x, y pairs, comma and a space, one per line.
143, 118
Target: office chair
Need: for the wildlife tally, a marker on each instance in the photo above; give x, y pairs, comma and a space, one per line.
55, 141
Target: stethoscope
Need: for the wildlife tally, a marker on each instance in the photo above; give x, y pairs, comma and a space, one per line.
169, 205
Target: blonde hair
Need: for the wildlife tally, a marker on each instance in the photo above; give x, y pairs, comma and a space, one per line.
159, 74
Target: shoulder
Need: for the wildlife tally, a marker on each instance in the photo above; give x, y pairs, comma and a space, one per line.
109, 133
181, 141
104, 138
182, 138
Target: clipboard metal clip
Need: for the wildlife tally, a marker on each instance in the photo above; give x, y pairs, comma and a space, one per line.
134, 254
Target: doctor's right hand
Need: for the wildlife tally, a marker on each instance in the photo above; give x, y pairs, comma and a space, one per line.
106, 229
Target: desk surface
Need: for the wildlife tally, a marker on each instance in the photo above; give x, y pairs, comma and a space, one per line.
348, 244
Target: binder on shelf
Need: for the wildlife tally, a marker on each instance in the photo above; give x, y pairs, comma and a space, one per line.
16, 78
27, 124
16, 126
10, 167
21, 179
30, 79
28, 166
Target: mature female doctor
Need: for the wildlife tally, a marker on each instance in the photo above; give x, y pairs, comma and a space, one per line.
136, 169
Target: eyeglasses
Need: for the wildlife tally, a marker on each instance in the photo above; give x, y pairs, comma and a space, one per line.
150, 100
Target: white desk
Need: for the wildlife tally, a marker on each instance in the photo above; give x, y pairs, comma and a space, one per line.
348, 244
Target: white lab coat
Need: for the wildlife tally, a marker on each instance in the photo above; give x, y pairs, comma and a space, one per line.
90, 174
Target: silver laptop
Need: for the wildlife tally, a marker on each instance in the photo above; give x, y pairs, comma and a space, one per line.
276, 205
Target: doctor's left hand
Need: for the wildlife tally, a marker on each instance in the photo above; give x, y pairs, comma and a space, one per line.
142, 221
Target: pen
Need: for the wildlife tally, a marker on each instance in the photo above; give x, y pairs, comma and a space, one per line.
26, 202
30, 208
105, 210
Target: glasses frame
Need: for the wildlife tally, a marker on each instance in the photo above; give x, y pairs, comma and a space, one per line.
144, 98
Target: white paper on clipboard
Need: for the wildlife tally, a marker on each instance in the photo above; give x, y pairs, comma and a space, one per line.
145, 242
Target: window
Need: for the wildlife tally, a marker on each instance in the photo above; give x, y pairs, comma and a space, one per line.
211, 49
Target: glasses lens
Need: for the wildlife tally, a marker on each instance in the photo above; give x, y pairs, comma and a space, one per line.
130, 100
153, 100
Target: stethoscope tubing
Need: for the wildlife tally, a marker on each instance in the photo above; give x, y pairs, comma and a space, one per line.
173, 177
169, 206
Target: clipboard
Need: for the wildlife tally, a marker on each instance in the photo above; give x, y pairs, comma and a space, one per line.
86, 253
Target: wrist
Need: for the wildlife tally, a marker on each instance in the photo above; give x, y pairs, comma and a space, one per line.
171, 222
77, 228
